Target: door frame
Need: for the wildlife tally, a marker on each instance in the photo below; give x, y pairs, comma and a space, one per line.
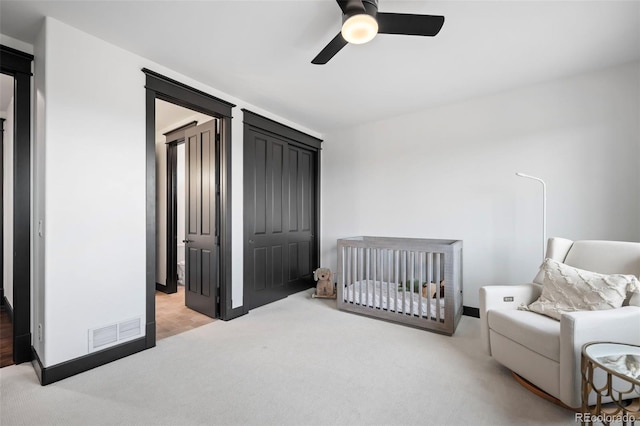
2, 303
18, 65
174, 138
161, 87
171, 269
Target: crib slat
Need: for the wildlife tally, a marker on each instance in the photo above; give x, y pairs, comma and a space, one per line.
396, 277
389, 261
420, 281
412, 275
429, 280
405, 261
374, 276
345, 273
362, 273
437, 280
380, 276
359, 275
354, 272
363, 289
368, 278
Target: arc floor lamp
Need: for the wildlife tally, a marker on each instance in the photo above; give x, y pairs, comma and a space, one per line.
544, 210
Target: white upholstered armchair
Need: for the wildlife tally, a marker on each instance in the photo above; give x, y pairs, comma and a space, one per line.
547, 352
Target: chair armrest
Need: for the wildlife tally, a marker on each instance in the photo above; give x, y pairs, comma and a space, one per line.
503, 297
621, 325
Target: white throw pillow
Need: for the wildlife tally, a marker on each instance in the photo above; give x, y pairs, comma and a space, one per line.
569, 289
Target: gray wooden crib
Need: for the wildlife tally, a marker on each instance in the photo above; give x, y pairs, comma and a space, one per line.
407, 280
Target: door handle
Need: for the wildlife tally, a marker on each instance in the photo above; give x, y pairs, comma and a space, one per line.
251, 241
187, 241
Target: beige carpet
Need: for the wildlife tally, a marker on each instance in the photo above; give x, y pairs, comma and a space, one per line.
298, 361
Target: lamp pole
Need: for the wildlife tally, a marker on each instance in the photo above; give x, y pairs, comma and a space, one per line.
544, 210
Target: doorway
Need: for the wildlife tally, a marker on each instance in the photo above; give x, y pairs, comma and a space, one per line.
181, 303
7, 120
17, 66
169, 90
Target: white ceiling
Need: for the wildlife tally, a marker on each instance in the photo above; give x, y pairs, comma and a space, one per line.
260, 51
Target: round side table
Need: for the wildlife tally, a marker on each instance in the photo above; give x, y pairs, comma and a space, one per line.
611, 371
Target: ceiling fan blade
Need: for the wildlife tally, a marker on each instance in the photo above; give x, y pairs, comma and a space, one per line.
350, 5
330, 50
407, 24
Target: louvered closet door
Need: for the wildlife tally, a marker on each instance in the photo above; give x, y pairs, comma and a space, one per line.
201, 247
279, 218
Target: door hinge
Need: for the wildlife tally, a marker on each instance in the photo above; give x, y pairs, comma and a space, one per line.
217, 299
217, 240
217, 188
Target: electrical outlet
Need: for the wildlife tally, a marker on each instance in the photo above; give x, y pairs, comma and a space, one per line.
40, 332
508, 299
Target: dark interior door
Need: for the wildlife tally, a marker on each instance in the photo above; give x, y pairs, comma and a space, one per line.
201, 218
279, 221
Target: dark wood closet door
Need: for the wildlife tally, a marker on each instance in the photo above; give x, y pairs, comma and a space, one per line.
279, 218
300, 217
201, 219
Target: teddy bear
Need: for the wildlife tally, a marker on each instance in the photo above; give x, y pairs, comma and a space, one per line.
426, 288
325, 282
433, 288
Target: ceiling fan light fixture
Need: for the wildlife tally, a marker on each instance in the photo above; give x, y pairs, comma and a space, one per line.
360, 28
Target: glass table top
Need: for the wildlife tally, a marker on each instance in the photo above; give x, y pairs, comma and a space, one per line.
621, 359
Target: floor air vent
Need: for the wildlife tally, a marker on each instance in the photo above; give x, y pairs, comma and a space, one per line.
110, 335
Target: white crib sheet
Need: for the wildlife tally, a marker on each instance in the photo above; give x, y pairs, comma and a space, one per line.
372, 299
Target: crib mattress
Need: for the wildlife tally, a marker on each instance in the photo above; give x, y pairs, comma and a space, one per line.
374, 294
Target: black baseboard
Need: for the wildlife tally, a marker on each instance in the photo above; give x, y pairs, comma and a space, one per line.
150, 336
22, 348
163, 288
7, 307
471, 312
54, 373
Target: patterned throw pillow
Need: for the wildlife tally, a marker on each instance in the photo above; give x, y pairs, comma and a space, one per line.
569, 289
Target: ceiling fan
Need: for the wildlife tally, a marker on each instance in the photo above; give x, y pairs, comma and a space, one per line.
361, 21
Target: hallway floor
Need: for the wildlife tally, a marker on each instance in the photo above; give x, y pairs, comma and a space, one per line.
6, 338
173, 317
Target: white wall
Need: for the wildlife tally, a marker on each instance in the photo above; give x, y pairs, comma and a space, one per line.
92, 148
180, 200
161, 212
449, 173
7, 203
38, 184
94, 203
